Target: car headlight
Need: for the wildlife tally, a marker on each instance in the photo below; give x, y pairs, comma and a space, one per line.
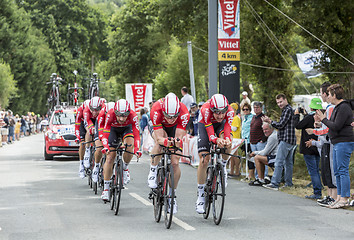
52, 135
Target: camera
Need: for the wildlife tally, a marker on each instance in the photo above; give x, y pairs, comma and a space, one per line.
301, 110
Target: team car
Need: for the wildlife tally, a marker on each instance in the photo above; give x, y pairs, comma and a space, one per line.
60, 136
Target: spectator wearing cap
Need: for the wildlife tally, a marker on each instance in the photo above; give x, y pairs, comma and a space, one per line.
194, 112
245, 99
187, 99
311, 154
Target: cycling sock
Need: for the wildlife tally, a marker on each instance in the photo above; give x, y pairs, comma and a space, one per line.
125, 165
201, 190
106, 184
81, 164
153, 169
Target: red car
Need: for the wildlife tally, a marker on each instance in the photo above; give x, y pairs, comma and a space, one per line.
60, 136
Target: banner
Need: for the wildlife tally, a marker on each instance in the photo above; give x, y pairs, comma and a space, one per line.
308, 60
229, 48
138, 95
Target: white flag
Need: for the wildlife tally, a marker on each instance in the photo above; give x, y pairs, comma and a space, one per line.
308, 60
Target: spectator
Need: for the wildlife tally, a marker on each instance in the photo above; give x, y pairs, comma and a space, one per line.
311, 155
4, 129
326, 152
11, 127
257, 138
186, 99
144, 120
194, 112
17, 127
245, 133
287, 143
236, 134
342, 137
23, 126
245, 99
266, 156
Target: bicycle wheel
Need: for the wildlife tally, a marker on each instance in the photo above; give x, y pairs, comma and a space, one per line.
119, 186
207, 192
169, 195
218, 189
111, 194
158, 199
94, 187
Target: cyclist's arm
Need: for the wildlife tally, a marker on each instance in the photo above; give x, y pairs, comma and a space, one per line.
107, 129
227, 127
78, 118
87, 118
101, 122
136, 133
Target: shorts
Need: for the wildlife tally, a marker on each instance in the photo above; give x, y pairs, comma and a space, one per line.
4, 131
326, 173
171, 131
118, 134
82, 130
203, 138
271, 160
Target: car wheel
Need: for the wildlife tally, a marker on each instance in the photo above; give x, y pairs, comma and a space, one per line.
47, 156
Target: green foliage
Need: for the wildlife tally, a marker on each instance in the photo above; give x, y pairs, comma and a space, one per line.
134, 43
7, 84
24, 49
332, 22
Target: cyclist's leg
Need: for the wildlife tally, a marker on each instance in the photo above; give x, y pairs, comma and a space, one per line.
127, 157
82, 151
88, 138
155, 161
179, 133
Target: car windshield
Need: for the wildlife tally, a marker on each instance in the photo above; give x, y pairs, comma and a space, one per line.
63, 118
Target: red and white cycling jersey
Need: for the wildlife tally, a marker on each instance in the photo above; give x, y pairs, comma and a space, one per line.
78, 119
111, 121
88, 116
101, 118
207, 118
158, 119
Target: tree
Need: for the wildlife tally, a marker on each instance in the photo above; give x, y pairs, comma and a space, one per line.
31, 61
332, 22
7, 84
256, 48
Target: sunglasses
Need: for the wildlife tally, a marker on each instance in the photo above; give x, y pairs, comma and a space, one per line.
245, 109
218, 112
120, 114
95, 109
169, 116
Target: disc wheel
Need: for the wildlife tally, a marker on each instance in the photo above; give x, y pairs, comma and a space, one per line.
119, 187
158, 200
218, 188
169, 196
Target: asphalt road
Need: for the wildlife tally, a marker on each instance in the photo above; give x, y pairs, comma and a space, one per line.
46, 200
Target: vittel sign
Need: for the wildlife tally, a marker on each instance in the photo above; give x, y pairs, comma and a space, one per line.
228, 16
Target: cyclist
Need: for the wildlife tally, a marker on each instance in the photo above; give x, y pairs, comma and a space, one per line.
80, 133
215, 117
121, 122
91, 114
169, 118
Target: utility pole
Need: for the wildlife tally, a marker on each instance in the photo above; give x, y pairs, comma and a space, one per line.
213, 46
191, 70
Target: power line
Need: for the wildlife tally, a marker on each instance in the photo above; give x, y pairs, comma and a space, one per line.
253, 12
273, 68
310, 33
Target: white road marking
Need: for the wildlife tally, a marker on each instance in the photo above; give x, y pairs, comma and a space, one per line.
182, 224
177, 221
137, 197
